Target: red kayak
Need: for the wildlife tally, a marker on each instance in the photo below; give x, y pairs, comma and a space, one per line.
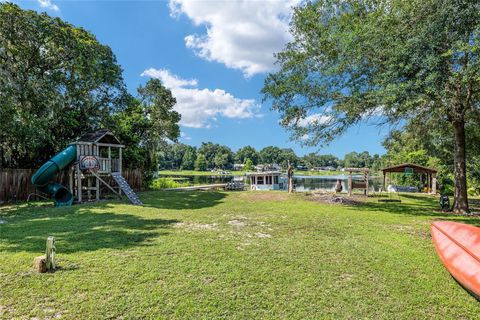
458, 246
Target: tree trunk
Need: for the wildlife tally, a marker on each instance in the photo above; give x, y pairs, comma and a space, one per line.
460, 170
290, 177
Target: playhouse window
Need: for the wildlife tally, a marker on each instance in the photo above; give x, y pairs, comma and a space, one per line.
103, 152
260, 180
268, 180
275, 180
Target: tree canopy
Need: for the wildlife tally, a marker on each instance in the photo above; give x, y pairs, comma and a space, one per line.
201, 162
312, 160
276, 155
247, 152
56, 83
216, 155
388, 59
146, 126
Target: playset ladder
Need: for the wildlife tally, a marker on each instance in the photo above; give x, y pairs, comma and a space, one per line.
123, 184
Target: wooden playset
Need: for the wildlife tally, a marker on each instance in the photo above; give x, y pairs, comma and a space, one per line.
93, 161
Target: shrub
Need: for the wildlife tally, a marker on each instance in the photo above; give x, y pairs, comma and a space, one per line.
165, 183
448, 190
248, 165
472, 191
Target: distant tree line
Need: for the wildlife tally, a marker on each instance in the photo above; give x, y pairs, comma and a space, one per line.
179, 156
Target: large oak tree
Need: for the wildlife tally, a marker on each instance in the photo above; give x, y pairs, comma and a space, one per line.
388, 59
56, 83
147, 125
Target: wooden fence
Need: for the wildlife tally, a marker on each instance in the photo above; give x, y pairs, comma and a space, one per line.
15, 184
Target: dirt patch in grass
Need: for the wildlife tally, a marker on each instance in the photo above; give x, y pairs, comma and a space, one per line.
244, 245
193, 226
237, 223
330, 198
6, 310
424, 234
263, 235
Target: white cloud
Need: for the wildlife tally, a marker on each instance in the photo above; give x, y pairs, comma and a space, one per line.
185, 136
169, 80
48, 4
314, 119
305, 137
199, 107
241, 34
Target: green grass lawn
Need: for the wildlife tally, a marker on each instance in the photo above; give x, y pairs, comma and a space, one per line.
318, 173
241, 255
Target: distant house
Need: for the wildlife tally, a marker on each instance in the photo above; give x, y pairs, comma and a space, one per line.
268, 167
259, 167
238, 166
328, 168
267, 180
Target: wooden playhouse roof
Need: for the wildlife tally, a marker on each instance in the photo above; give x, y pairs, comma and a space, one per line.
102, 136
416, 168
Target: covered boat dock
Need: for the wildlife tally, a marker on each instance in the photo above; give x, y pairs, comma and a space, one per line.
430, 174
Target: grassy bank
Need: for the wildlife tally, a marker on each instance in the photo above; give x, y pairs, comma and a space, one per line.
240, 173
318, 173
196, 173
238, 255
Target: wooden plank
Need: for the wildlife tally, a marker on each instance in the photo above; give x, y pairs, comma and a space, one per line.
120, 166
110, 145
201, 187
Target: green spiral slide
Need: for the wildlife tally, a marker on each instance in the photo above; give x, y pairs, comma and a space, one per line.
42, 179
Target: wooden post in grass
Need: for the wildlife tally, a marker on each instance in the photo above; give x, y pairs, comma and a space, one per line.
290, 178
50, 254
350, 183
46, 262
366, 178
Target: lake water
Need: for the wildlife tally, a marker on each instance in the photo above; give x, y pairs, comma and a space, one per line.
310, 183
301, 183
200, 179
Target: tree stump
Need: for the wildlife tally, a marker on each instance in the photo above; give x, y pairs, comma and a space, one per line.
40, 264
338, 186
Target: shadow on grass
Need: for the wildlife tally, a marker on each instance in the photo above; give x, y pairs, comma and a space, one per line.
181, 200
78, 228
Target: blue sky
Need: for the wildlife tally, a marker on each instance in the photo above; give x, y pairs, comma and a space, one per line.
213, 55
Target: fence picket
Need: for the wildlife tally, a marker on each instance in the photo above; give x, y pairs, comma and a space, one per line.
15, 184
